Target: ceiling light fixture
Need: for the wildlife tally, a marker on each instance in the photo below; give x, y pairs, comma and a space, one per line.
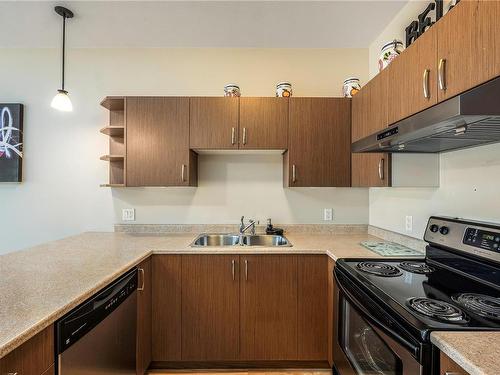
62, 101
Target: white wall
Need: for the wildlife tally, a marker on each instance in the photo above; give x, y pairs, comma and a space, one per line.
60, 194
469, 179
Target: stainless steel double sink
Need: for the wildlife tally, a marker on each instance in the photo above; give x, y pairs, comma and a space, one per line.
221, 240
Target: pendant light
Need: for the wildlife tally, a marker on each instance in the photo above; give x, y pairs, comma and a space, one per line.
62, 101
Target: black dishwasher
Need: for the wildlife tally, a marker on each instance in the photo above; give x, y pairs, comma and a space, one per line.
99, 336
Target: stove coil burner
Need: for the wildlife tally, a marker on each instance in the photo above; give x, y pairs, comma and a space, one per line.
480, 304
379, 269
438, 310
416, 267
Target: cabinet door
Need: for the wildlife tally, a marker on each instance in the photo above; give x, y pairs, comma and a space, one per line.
213, 123
157, 134
313, 317
264, 123
449, 367
210, 308
268, 307
371, 170
166, 311
468, 41
35, 357
413, 78
319, 146
144, 317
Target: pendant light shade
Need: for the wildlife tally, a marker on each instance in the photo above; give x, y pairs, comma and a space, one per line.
61, 101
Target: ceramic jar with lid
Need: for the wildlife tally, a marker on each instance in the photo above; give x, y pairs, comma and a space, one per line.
232, 90
351, 87
284, 90
389, 52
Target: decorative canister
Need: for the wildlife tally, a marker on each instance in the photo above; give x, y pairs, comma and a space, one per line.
389, 52
283, 90
351, 87
232, 89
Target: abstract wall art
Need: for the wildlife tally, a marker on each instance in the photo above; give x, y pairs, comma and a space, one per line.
11, 142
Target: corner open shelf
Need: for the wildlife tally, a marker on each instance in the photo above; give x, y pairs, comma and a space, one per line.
116, 131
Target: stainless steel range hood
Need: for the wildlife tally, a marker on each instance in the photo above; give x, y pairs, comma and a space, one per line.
467, 120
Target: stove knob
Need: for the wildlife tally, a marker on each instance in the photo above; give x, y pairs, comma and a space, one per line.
434, 228
444, 230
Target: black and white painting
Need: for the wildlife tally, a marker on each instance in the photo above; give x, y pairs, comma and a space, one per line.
11, 142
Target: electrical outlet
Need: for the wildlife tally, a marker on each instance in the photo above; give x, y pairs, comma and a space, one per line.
128, 214
409, 223
328, 214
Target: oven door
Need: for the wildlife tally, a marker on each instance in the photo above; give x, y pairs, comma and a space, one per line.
363, 343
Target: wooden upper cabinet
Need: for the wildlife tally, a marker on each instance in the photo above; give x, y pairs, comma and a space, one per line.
144, 304
469, 44
412, 78
268, 307
210, 308
213, 123
158, 142
370, 115
319, 143
264, 123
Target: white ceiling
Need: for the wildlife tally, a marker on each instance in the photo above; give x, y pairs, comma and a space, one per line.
226, 24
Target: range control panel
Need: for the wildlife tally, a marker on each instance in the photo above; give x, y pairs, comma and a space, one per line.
473, 237
483, 239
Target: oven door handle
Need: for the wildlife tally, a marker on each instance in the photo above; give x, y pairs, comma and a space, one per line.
414, 349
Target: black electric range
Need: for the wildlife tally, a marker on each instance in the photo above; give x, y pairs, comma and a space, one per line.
399, 302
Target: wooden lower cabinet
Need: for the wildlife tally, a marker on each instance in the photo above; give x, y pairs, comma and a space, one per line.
241, 310
144, 299
448, 367
210, 308
268, 326
35, 357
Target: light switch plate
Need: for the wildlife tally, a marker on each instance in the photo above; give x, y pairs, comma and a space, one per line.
409, 223
128, 214
328, 214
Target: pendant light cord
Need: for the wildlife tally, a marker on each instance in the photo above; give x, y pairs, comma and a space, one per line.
63, 49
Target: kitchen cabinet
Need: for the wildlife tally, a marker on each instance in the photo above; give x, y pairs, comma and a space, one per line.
411, 78
448, 367
268, 307
144, 306
313, 314
468, 46
157, 131
369, 115
35, 357
319, 138
166, 308
210, 308
263, 123
213, 123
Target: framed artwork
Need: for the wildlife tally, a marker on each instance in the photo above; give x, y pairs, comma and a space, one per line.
11, 142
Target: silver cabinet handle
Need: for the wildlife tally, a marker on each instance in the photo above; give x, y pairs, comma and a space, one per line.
452, 373
233, 136
381, 168
12, 373
442, 74
183, 172
246, 270
141, 271
294, 173
244, 136
425, 83
233, 262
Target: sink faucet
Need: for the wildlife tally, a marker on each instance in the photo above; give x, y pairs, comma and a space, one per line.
244, 228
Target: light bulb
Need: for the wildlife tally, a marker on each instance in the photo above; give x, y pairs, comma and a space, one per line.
62, 102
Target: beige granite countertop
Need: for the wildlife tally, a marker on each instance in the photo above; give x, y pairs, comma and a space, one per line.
478, 353
39, 285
